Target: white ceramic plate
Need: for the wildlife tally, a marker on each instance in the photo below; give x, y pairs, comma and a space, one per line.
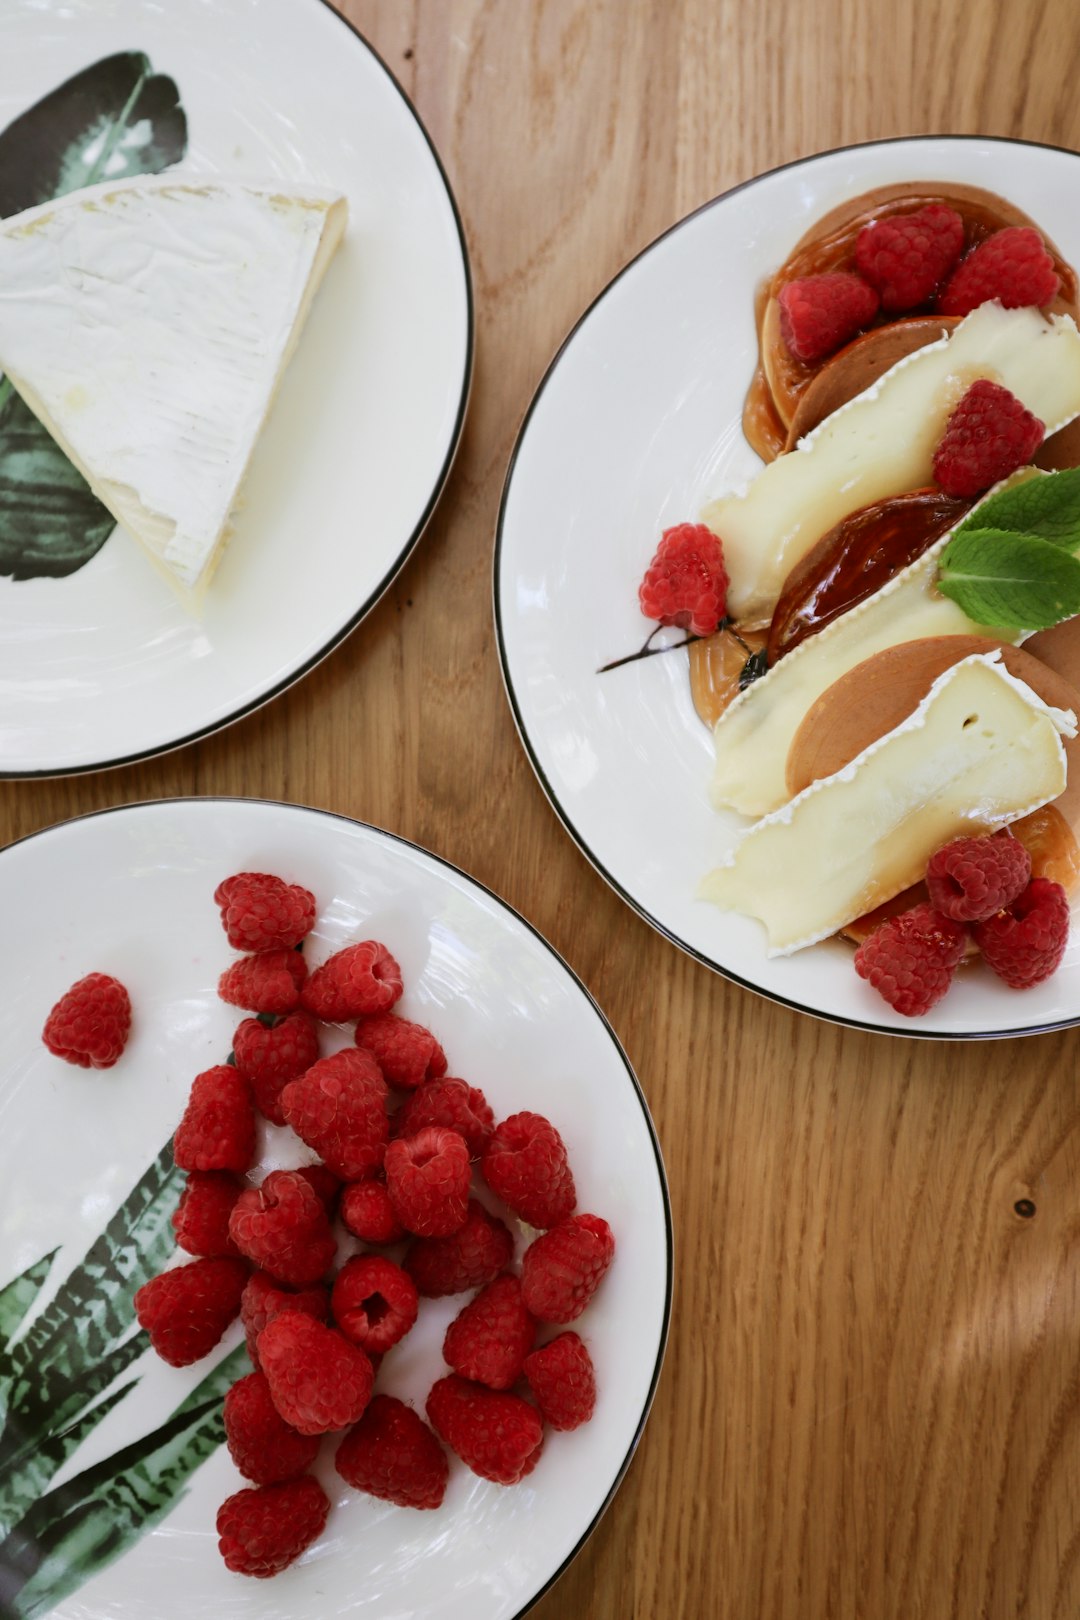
104, 666
136, 887
636, 423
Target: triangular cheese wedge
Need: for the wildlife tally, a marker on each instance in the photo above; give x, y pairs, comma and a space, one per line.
147, 325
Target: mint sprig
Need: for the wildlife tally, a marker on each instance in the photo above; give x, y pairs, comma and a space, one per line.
1011, 564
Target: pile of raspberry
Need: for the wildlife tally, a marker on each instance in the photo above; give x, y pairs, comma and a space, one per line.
401, 1150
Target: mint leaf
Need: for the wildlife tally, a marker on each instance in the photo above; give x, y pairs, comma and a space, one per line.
1010, 581
1047, 506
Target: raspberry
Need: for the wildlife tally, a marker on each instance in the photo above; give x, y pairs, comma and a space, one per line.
819, 314
269, 1057
263, 1299
1012, 266
324, 1182
360, 980
561, 1271
911, 959
907, 256
339, 1108
319, 1381
561, 1376
392, 1454
427, 1177
260, 912
526, 1166
264, 984
185, 1311
201, 1219
407, 1053
282, 1226
367, 1213
260, 1442
1024, 943
686, 582
971, 878
451, 1103
468, 1258
490, 1337
90, 1023
217, 1131
264, 1530
498, 1436
988, 436
374, 1302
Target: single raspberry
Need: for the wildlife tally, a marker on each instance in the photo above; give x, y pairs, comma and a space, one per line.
366, 1211
186, 1310
561, 1270
1012, 266
427, 1177
971, 878
260, 912
263, 1530
326, 1185
407, 1053
338, 1107
455, 1105
819, 314
90, 1023
217, 1131
282, 1226
392, 1454
988, 436
686, 583
201, 1219
907, 256
498, 1436
264, 984
562, 1378
525, 1165
911, 959
466, 1259
1024, 942
260, 1442
490, 1337
354, 983
374, 1302
263, 1299
319, 1381
270, 1056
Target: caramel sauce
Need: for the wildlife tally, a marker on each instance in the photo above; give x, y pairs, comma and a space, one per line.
716, 662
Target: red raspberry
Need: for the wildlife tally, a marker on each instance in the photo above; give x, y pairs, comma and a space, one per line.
339, 1108
264, 1530
455, 1105
367, 1213
392, 1454
498, 1436
325, 1183
282, 1226
186, 1310
217, 1131
90, 1023
971, 878
201, 1219
988, 436
686, 582
490, 1337
264, 984
260, 912
407, 1053
911, 959
263, 1299
1012, 266
269, 1056
907, 256
526, 1166
260, 1442
1024, 943
561, 1271
819, 314
467, 1259
360, 980
427, 1177
319, 1381
561, 1376
374, 1302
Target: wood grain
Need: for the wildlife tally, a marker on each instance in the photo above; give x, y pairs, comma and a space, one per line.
871, 1403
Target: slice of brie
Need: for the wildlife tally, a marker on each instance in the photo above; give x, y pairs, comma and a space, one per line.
981, 750
147, 325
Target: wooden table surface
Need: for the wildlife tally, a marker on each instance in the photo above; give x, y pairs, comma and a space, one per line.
871, 1401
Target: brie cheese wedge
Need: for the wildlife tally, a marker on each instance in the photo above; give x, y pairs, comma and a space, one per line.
147, 324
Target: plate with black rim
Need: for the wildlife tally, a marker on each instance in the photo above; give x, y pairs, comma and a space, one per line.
636, 424
100, 664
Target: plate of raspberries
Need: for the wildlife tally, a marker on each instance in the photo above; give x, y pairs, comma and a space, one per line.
337, 1245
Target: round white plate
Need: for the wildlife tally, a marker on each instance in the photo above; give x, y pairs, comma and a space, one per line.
129, 891
105, 666
636, 423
